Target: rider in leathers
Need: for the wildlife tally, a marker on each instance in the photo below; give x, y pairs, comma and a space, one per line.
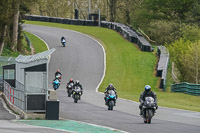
70, 81
147, 93
58, 73
77, 83
110, 87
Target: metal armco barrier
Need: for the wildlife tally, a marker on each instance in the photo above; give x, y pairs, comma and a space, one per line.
187, 88
162, 66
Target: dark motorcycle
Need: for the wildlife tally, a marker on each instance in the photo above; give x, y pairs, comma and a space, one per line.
76, 94
56, 84
69, 89
148, 109
110, 99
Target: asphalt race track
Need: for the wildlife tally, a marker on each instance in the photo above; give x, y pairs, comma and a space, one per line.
9, 126
83, 60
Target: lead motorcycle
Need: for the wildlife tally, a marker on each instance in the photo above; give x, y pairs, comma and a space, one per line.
76, 94
69, 89
111, 99
148, 109
63, 42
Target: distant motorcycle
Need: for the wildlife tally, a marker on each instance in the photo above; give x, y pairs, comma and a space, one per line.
56, 84
69, 89
148, 109
110, 99
63, 42
76, 94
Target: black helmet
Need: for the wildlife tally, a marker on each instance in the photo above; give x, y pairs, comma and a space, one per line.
77, 82
147, 88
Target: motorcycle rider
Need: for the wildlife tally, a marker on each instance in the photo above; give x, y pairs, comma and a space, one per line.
110, 87
63, 39
58, 73
70, 81
147, 93
77, 84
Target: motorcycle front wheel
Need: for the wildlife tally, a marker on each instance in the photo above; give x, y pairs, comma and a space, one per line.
110, 105
149, 115
69, 93
76, 97
55, 87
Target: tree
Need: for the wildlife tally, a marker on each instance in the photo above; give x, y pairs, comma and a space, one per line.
169, 9
190, 32
176, 50
10, 17
186, 56
112, 4
5, 19
191, 63
15, 24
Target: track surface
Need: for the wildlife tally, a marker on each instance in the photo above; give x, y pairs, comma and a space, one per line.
8, 126
83, 60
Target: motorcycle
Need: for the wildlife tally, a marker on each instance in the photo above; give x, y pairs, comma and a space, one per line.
148, 109
69, 89
63, 42
111, 99
76, 94
56, 84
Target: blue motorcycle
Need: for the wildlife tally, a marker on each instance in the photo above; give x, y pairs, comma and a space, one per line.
111, 99
56, 84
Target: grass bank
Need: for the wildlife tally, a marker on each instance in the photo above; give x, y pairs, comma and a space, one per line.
128, 68
37, 44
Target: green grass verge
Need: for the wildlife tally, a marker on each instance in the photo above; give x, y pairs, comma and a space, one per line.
38, 45
128, 68
7, 52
